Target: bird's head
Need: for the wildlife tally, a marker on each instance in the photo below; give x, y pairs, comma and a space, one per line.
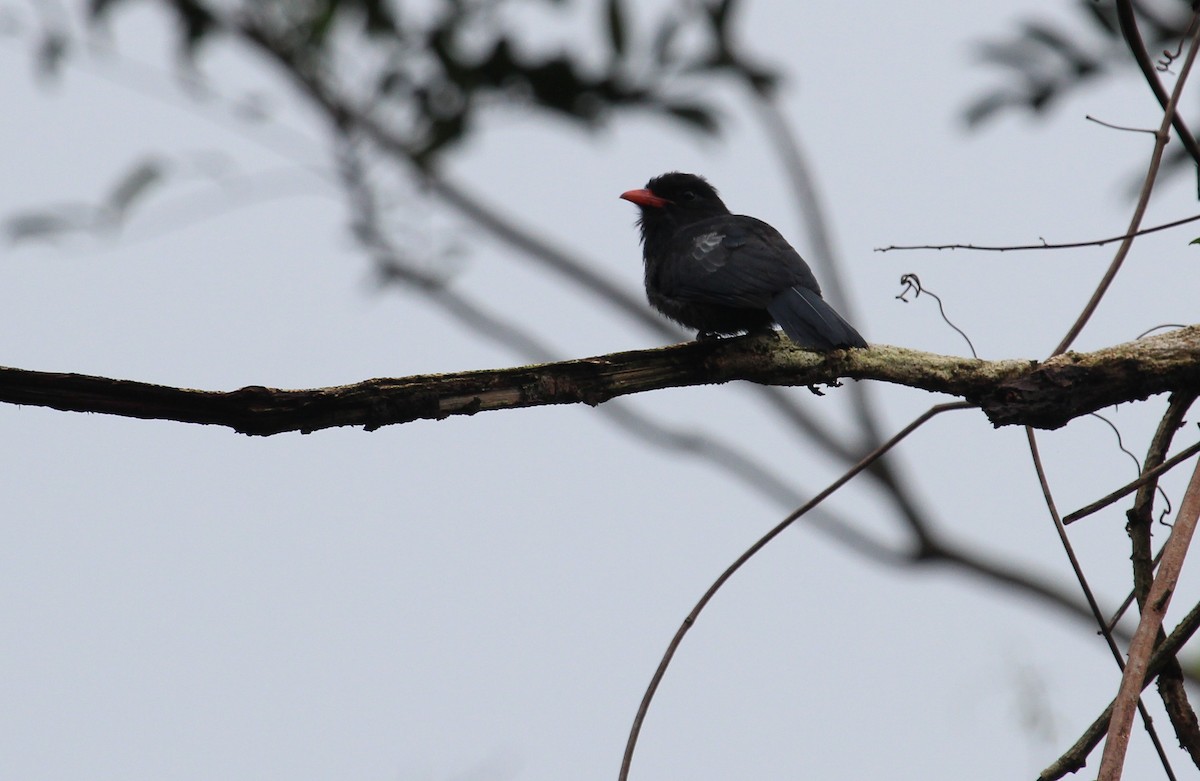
676, 199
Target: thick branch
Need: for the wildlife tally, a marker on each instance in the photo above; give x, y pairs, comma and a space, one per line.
1042, 394
1076, 757
1112, 763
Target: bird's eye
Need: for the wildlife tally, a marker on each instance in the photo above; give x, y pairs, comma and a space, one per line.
687, 195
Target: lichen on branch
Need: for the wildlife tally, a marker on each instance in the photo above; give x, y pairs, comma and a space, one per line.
1043, 394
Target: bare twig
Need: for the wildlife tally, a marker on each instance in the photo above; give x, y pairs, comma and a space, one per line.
1170, 680
1138, 517
1122, 128
1042, 245
1113, 759
1137, 465
1163, 64
1160, 142
912, 283
761, 543
1127, 18
1125, 490
1090, 597
1076, 756
1160, 327
1130, 598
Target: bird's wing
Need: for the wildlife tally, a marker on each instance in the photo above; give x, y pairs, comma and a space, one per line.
733, 261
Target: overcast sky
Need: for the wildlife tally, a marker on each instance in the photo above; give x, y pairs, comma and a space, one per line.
486, 597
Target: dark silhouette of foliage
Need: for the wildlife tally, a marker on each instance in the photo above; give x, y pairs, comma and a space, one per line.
438, 74
1046, 62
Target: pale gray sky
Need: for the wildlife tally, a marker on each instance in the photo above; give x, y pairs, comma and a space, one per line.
487, 597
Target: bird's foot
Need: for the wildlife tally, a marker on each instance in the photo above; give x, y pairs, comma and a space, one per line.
831, 384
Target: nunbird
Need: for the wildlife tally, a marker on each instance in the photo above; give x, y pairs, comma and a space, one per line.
722, 273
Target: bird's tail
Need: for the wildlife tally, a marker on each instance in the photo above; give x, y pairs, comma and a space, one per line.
810, 322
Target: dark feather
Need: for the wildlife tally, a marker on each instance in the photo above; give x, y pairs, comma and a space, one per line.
723, 273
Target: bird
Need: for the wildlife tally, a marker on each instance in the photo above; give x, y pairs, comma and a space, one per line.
723, 273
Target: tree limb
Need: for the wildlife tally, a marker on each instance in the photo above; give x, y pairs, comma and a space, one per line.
1141, 648
1045, 394
1076, 756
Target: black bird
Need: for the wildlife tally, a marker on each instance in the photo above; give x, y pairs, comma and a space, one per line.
722, 273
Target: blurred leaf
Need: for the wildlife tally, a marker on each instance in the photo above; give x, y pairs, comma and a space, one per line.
52, 52
1038, 96
1048, 61
1102, 14
437, 76
1043, 33
761, 80
663, 38
616, 26
1018, 55
1158, 31
197, 22
1060, 45
441, 133
982, 109
131, 188
555, 84
98, 8
380, 18
49, 224
391, 80
695, 115
321, 23
719, 12
725, 56
194, 19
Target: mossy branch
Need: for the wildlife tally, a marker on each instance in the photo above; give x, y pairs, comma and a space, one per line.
1043, 394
